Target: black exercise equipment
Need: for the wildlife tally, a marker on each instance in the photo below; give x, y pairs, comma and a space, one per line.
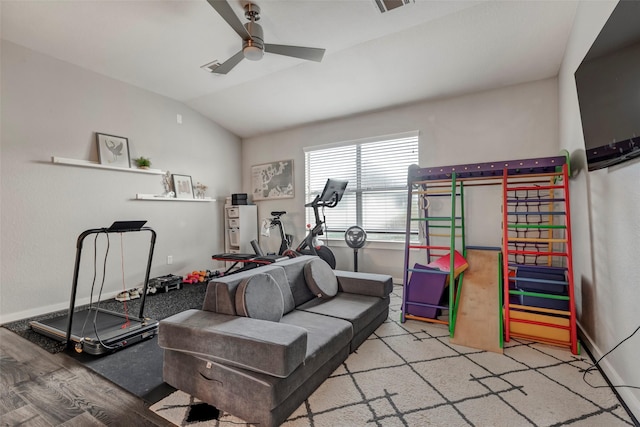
245, 261
94, 330
331, 195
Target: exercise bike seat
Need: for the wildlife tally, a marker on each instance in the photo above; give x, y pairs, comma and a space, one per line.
278, 213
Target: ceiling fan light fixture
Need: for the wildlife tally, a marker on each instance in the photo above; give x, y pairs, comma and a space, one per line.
252, 53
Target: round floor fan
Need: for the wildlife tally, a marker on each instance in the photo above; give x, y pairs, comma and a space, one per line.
355, 236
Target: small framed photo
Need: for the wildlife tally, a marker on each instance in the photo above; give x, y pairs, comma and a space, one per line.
183, 186
113, 150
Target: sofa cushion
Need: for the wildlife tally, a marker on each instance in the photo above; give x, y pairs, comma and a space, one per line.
294, 269
377, 285
257, 345
320, 278
224, 303
360, 310
221, 291
325, 335
252, 396
280, 277
326, 339
259, 297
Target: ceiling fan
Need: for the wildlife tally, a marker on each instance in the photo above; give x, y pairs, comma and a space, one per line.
253, 45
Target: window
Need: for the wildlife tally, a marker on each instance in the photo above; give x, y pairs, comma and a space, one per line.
376, 197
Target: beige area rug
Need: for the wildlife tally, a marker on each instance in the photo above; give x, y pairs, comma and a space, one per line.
409, 374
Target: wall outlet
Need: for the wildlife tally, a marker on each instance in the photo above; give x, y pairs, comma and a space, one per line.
179, 119
169, 259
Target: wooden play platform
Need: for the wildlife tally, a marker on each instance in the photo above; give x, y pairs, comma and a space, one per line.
479, 312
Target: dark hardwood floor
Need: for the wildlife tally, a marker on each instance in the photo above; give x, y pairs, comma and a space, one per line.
43, 389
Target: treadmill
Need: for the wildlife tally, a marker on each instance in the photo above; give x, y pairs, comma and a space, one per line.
94, 330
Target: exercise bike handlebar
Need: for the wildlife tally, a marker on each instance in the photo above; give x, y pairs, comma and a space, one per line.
316, 203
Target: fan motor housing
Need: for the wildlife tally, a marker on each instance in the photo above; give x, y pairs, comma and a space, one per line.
252, 11
253, 48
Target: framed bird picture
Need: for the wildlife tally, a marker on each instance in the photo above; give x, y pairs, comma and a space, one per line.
113, 150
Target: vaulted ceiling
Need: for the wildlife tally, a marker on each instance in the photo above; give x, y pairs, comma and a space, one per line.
373, 60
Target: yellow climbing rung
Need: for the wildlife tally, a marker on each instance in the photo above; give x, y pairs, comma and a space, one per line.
539, 309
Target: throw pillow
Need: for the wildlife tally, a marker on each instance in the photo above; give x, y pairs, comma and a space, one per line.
260, 297
320, 278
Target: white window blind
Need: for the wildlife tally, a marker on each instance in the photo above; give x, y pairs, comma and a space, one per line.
376, 196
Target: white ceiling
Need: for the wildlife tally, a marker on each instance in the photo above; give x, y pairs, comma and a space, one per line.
424, 50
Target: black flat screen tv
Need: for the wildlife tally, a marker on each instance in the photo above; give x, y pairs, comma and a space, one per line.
608, 85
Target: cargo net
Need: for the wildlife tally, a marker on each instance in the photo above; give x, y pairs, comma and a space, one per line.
530, 213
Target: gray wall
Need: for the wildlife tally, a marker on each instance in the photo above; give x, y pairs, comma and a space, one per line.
604, 213
514, 122
52, 108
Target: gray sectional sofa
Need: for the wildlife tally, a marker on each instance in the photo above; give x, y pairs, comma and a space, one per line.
266, 338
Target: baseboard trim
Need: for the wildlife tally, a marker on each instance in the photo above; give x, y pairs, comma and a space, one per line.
28, 314
627, 398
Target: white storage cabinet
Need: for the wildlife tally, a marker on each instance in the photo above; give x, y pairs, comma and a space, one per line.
241, 227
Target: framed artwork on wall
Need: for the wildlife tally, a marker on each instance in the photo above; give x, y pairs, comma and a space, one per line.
183, 186
272, 180
113, 150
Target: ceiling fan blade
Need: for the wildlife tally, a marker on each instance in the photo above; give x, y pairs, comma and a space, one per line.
228, 65
308, 53
224, 9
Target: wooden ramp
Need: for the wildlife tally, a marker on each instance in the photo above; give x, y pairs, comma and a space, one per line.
479, 311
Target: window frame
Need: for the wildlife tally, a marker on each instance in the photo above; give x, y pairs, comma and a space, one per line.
360, 191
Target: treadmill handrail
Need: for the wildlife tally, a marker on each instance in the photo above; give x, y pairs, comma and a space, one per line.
76, 270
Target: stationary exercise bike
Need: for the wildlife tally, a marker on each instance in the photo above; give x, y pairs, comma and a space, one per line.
331, 195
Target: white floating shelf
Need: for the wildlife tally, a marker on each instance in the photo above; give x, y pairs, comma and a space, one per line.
161, 198
89, 164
